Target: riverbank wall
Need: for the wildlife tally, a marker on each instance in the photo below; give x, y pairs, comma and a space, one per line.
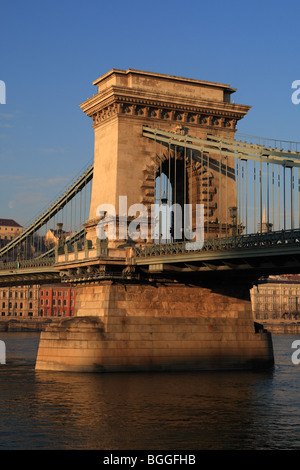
26, 325
282, 327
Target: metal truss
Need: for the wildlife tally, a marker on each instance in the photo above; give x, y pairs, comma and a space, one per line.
230, 148
267, 179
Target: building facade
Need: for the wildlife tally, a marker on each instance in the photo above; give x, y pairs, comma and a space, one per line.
19, 301
37, 301
276, 298
57, 301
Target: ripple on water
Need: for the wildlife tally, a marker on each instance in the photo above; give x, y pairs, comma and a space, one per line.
56, 410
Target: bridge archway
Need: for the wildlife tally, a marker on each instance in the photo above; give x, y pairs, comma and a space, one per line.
172, 194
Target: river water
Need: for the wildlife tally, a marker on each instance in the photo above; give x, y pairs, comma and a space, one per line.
147, 411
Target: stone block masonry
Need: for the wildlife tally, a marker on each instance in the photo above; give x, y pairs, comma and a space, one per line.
155, 328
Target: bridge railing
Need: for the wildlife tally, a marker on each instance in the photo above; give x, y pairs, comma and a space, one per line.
29, 263
81, 250
68, 252
226, 243
287, 145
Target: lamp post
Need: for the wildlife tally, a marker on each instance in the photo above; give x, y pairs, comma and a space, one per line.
233, 215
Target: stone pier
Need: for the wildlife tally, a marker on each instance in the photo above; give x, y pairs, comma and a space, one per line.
156, 327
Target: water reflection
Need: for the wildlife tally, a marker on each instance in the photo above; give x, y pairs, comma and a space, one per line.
144, 411
174, 411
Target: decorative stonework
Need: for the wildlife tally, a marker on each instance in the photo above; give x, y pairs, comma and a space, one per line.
206, 116
98, 272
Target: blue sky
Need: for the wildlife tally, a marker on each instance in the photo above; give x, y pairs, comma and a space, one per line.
52, 51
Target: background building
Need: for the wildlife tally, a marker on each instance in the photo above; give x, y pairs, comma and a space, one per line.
57, 300
19, 301
9, 229
264, 226
37, 301
52, 237
276, 298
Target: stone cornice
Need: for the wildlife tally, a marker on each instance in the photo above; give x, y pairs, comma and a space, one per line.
117, 101
118, 94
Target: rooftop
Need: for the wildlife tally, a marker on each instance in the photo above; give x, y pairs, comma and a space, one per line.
9, 223
162, 76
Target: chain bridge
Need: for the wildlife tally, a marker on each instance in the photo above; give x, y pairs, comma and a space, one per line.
261, 233
150, 299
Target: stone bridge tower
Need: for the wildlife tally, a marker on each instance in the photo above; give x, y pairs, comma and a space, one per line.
125, 162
